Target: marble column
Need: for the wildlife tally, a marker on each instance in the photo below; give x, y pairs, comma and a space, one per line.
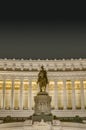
73, 95
55, 94
4, 87
30, 94
64, 92
82, 94
12, 94
21, 94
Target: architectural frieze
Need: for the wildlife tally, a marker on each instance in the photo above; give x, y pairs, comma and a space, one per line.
59, 65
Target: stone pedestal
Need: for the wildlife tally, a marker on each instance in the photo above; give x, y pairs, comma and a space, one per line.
42, 103
42, 107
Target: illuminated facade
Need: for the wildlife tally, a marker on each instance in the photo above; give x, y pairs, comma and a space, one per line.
18, 86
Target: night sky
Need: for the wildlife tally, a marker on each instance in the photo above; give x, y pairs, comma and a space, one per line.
53, 37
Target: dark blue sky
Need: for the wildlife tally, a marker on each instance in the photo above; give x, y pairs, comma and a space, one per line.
42, 37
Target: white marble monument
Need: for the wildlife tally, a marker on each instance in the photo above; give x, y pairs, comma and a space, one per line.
18, 86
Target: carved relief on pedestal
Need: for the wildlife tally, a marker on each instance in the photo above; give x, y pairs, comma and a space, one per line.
42, 104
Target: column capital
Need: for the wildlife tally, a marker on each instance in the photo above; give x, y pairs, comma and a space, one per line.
73, 80
21, 80
55, 82
64, 80
30, 81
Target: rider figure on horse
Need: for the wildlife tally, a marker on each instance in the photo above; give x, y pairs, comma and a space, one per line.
42, 79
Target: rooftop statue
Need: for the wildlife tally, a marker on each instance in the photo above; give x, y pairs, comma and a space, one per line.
42, 79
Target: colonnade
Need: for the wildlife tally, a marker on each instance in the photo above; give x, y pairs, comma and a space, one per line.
18, 94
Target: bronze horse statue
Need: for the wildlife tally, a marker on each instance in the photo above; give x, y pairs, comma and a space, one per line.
42, 79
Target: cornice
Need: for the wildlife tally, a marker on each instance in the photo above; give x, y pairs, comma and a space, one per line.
50, 65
